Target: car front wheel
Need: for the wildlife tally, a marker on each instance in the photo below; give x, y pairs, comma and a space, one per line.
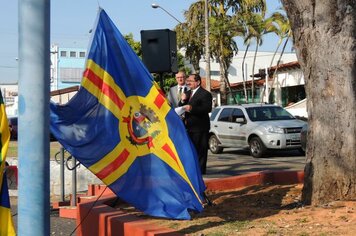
257, 148
214, 145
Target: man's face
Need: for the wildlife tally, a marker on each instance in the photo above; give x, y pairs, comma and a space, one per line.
192, 84
180, 77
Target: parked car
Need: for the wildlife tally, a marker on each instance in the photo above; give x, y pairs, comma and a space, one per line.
303, 137
12, 121
259, 127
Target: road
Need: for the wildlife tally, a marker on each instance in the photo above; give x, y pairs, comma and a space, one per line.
236, 162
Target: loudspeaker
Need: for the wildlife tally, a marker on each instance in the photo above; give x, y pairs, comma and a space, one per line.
159, 50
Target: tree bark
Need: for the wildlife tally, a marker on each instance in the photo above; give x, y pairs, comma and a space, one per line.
243, 73
253, 72
223, 97
325, 40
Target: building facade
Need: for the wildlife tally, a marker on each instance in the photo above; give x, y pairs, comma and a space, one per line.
286, 90
263, 60
67, 66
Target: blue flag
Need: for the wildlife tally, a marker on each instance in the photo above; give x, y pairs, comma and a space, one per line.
121, 127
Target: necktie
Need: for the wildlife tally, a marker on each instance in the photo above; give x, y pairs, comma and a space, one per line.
191, 95
179, 95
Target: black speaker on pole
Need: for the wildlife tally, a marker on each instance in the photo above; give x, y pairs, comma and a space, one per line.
159, 50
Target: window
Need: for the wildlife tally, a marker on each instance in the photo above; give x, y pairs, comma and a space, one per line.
214, 73
292, 94
81, 54
225, 114
214, 113
71, 75
73, 54
264, 113
63, 53
237, 113
272, 97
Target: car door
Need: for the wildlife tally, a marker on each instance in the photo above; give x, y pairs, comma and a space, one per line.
221, 126
238, 134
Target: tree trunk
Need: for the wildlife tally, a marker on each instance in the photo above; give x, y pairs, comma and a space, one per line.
223, 96
253, 71
243, 73
275, 71
267, 76
225, 74
325, 39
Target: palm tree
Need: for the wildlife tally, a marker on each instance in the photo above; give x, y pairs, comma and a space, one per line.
257, 30
223, 29
190, 34
223, 46
284, 32
247, 43
246, 20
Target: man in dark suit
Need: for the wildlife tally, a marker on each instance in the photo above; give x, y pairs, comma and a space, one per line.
197, 103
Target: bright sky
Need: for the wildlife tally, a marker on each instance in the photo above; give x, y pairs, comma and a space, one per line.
71, 21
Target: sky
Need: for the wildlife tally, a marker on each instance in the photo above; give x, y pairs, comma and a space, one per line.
71, 21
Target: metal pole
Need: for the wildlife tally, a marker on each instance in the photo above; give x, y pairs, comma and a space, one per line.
61, 173
207, 47
34, 84
155, 6
74, 183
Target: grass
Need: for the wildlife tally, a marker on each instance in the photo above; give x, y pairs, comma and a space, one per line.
13, 149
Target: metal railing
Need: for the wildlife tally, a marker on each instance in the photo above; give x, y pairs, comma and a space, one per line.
71, 163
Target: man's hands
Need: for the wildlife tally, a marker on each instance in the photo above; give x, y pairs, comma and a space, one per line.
184, 97
187, 108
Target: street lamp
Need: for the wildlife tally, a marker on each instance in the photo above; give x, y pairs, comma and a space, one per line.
207, 50
155, 6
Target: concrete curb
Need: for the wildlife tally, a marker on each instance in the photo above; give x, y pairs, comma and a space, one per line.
105, 220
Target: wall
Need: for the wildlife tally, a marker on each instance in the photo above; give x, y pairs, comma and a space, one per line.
84, 178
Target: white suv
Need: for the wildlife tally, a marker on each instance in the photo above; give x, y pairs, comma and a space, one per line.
258, 127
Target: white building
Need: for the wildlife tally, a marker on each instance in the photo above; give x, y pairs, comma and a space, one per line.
287, 90
263, 60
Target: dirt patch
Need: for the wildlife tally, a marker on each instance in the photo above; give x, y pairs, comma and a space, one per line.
266, 210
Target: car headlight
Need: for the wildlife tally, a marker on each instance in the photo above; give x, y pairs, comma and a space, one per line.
274, 129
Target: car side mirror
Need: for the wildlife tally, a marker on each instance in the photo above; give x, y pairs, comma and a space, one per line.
240, 120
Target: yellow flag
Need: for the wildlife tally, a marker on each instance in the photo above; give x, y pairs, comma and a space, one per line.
6, 223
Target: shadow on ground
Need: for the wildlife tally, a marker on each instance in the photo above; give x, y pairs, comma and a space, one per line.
236, 207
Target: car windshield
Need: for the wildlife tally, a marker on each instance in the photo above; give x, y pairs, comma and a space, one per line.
265, 113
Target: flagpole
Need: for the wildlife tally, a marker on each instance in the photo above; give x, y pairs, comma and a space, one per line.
34, 84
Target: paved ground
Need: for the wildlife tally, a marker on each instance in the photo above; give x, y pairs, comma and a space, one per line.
236, 162
230, 163
59, 226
